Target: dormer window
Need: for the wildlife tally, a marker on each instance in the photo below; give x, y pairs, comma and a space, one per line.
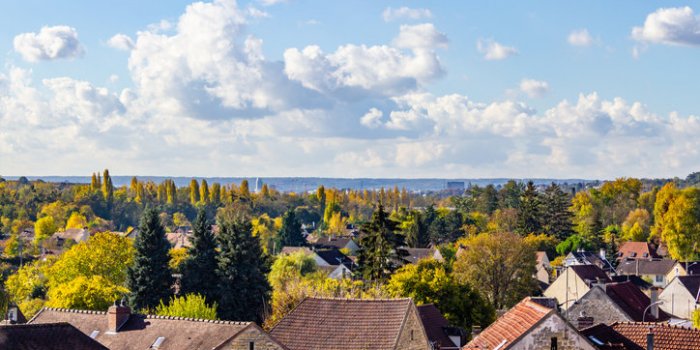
633, 254
646, 255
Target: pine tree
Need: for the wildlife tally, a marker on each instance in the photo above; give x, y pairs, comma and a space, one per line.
243, 287
529, 212
379, 254
194, 191
290, 233
201, 261
556, 216
149, 278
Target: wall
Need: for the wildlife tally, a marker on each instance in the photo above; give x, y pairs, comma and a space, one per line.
252, 333
420, 339
577, 288
540, 337
598, 305
677, 300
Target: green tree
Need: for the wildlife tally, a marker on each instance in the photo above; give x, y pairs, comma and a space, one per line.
204, 192
190, 306
509, 195
636, 226
290, 233
556, 217
149, 278
198, 270
529, 214
379, 251
43, 229
243, 286
321, 197
194, 191
107, 187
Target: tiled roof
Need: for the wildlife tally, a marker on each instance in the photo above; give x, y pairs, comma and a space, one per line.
141, 331
343, 324
332, 242
636, 250
692, 284
334, 257
415, 254
632, 301
511, 326
435, 324
633, 335
55, 336
589, 258
590, 273
645, 267
636, 280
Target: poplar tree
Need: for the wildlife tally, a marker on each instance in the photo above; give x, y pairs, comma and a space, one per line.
194, 191
243, 287
321, 196
204, 192
149, 278
198, 276
290, 232
107, 186
245, 189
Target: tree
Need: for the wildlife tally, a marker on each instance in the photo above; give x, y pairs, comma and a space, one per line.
149, 278
290, 233
636, 226
379, 251
321, 197
241, 269
488, 200
499, 264
529, 215
586, 219
43, 229
204, 192
509, 195
244, 189
107, 187
198, 270
76, 220
429, 282
194, 191
190, 306
680, 225
555, 213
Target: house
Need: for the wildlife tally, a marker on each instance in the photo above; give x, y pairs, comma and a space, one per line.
615, 302
543, 268
119, 329
574, 283
641, 336
684, 269
13, 315
337, 242
352, 324
680, 297
415, 254
531, 324
655, 271
55, 336
77, 235
582, 257
335, 263
440, 334
636, 250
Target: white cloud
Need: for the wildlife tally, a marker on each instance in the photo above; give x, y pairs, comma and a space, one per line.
257, 13
534, 88
420, 36
673, 26
391, 14
49, 44
494, 51
372, 119
271, 2
580, 37
121, 42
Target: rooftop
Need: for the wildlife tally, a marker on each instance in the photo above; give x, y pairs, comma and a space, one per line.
55, 336
633, 336
645, 267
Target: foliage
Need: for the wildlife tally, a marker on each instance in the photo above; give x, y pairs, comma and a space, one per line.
76, 220
696, 318
199, 269
43, 229
178, 256
556, 217
29, 281
290, 232
679, 224
573, 243
379, 253
190, 306
85, 292
529, 215
636, 226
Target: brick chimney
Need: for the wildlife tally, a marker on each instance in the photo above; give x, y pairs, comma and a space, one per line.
117, 315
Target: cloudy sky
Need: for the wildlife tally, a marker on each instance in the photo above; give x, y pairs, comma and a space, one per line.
351, 88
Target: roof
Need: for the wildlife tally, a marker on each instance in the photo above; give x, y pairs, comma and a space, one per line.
343, 324
632, 301
178, 239
691, 267
636, 250
76, 234
692, 284
633, 335
291, 250
435, 324
511, 326
638, 281
588, 258
415, 254
645, 267
540, 257
141, 331
332, 242
590, 273
56, 336
334, 257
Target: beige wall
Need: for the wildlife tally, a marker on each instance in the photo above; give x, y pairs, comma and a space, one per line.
540, 337
677, 300
577, 288
251, 334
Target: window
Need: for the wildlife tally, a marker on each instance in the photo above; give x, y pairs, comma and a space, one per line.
411, 334
646, 255
94, 334
554, 343
251, 345
659, 278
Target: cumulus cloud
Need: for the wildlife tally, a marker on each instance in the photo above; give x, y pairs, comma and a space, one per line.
391, 14
534, 88
494, 51
49, 43
121, 42
420, 36
672, 26
580, 37
372, 119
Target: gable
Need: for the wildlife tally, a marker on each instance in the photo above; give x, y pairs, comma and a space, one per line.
552, 327
598, 305
413, 335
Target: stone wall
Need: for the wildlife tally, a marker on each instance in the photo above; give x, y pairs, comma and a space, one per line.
254, 334
415, 326
540, 337
598, 305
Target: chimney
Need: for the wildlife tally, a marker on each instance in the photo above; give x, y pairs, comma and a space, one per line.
650, 339
654, 299
117, 315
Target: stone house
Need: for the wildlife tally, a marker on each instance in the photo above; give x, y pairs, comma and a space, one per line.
641, 336
681, 296
654, 271
353, 324
574, 283
614, 302
532, 324
119, 329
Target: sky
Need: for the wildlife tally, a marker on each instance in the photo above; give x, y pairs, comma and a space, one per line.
395, 89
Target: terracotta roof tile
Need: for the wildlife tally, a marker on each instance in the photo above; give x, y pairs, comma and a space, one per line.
343, 324
509, 327
636, 250
634, 335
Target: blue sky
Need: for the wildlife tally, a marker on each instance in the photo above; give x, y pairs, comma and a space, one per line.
350, 89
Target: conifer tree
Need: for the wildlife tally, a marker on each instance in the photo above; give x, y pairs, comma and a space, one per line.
290, 232
241, 269
198, 276
149, 278
556, 217
194, 191
215, 193
94, 185
529, 211
380, 253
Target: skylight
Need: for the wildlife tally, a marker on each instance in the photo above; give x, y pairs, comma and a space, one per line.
158, 343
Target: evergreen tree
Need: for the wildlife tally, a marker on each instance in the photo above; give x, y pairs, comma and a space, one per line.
194, 191
94, 185
556, 217
529, 211
509, 195
453, 224
488, 200
426, 220
241, 269
438, 231
380, 254
290, 232
201, 261
149, 278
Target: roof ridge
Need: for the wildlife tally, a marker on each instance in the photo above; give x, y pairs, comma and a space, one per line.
191, 319
75, 311
359, 299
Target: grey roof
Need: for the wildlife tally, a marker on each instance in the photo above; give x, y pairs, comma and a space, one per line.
645, 267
